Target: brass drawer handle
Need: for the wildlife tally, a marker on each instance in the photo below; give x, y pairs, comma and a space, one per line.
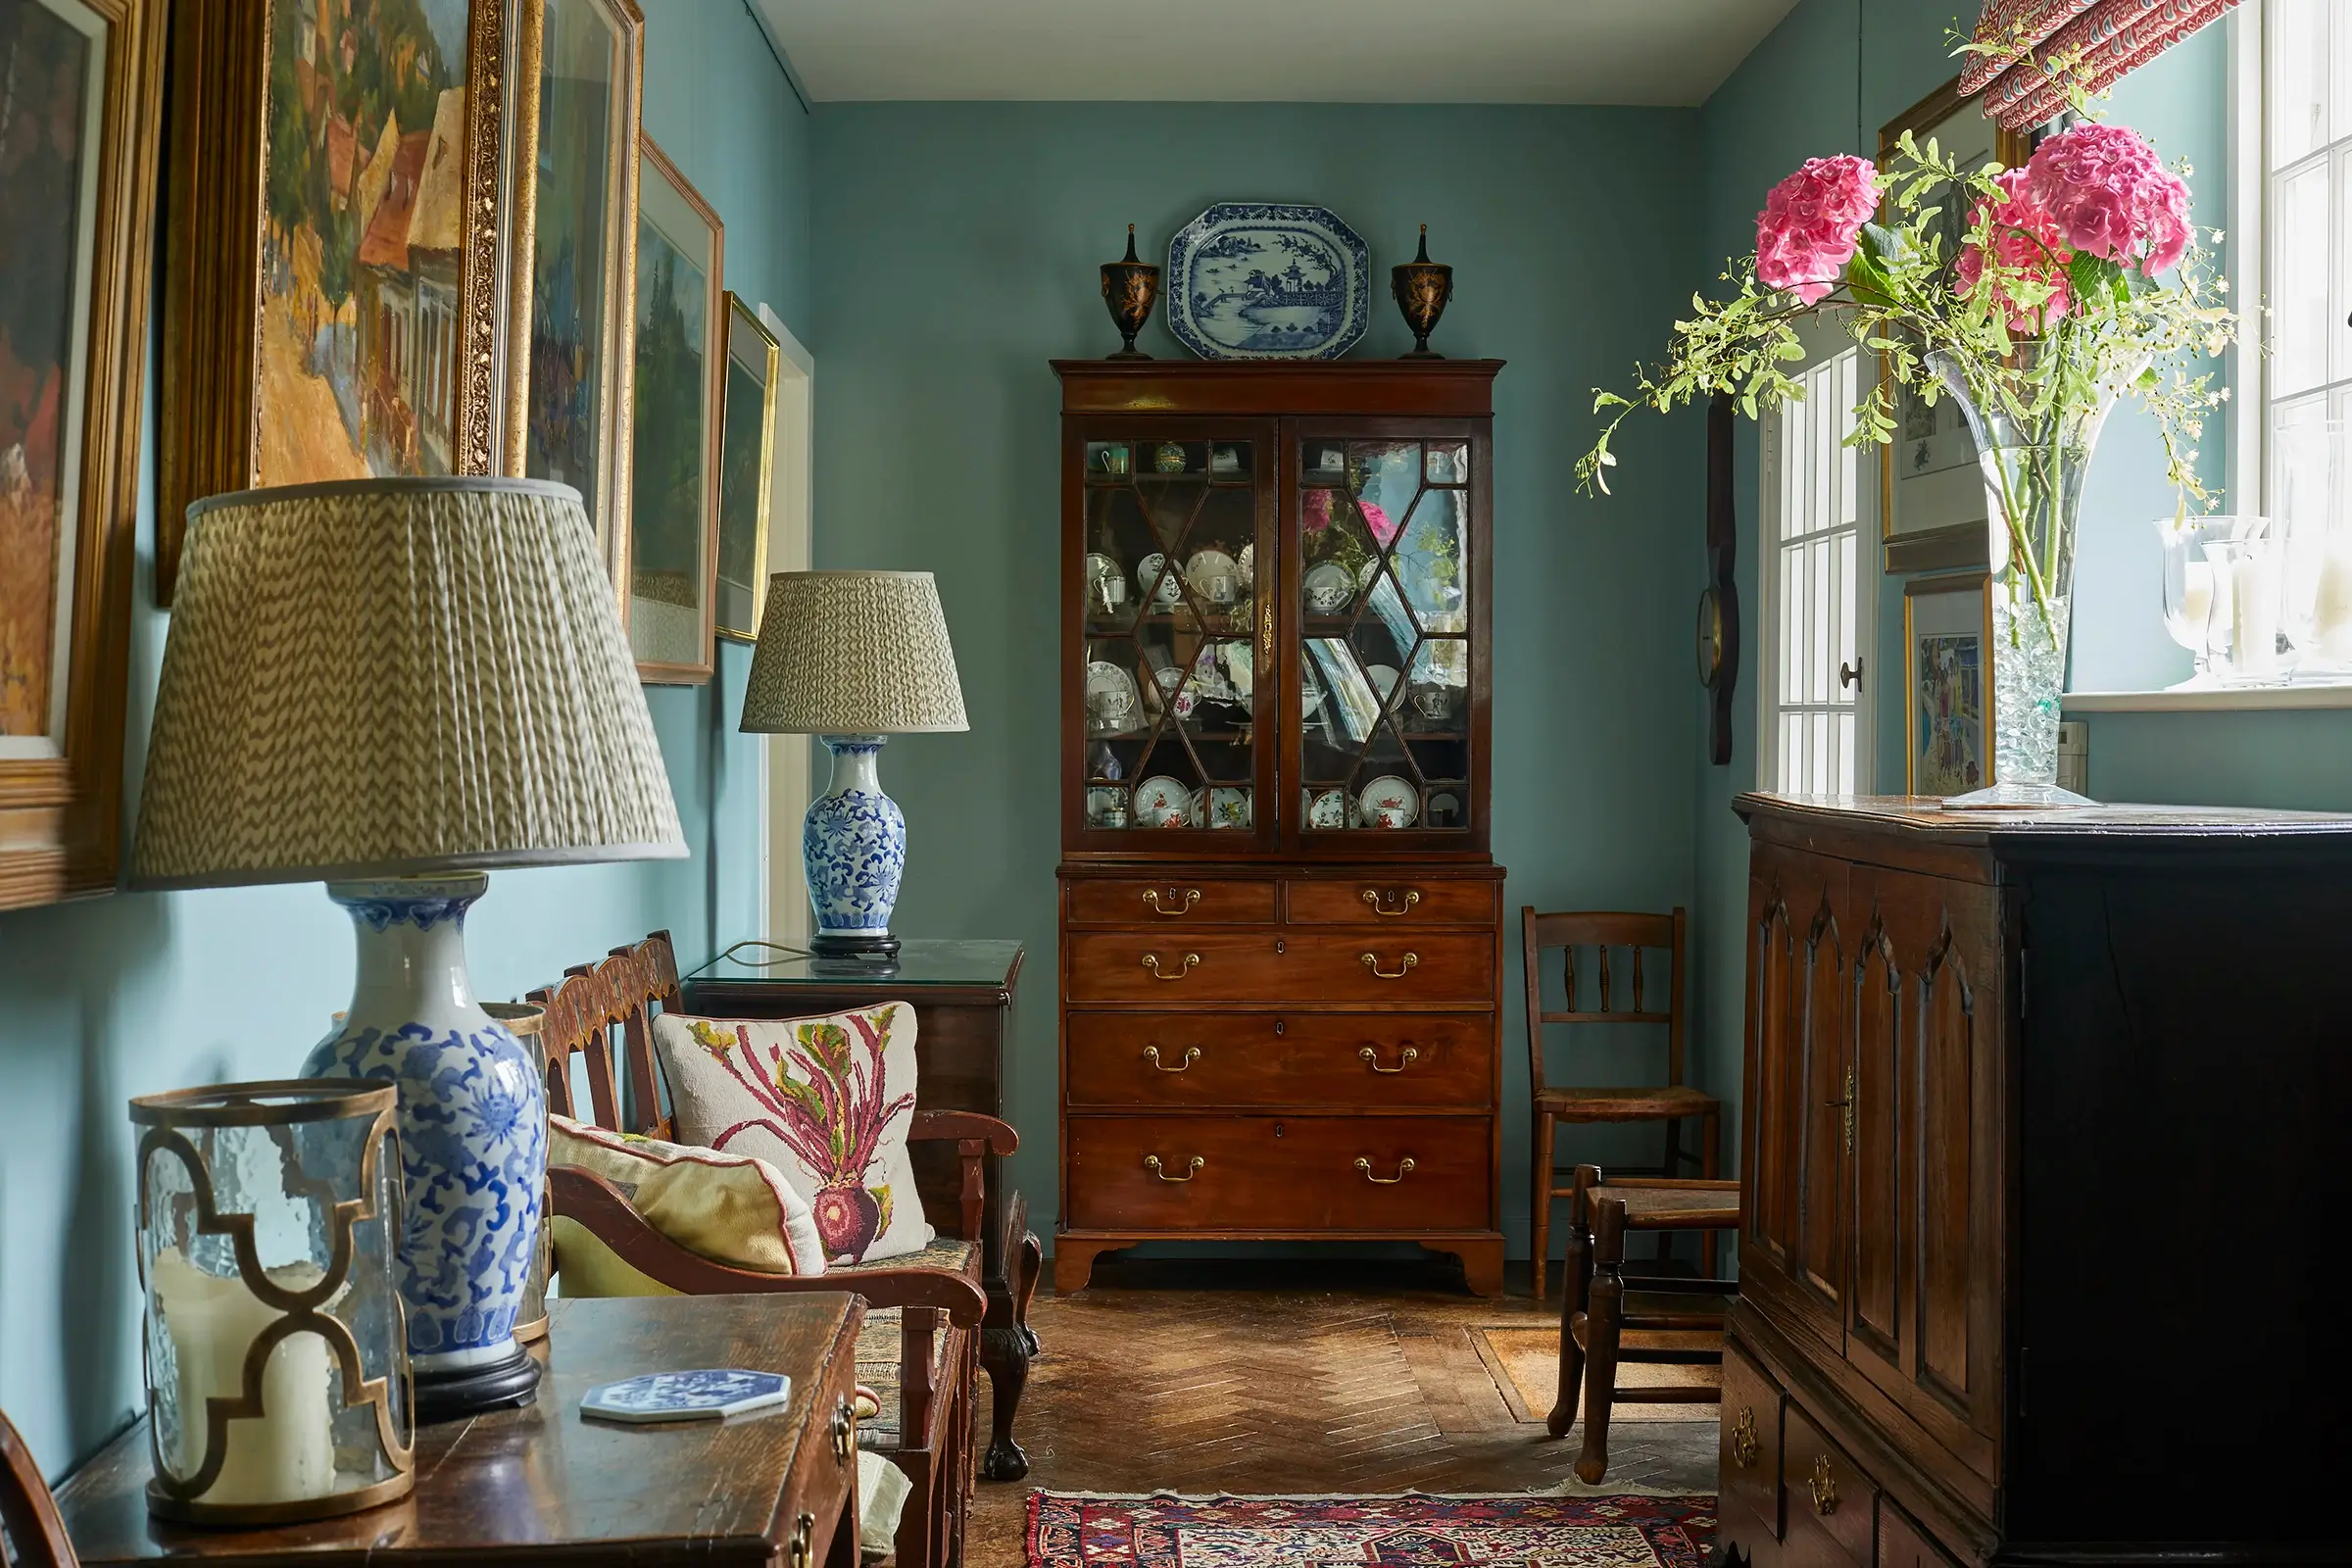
845, 1433
1744, 1443
1192, 1053
1151, 1164
1823, 1483
1190, 896
1378, 973
804, 1541
1380, 902
1407, 1059
1403, 1166
1192, 960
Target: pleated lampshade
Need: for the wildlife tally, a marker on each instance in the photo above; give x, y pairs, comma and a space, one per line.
853, 652
396, 677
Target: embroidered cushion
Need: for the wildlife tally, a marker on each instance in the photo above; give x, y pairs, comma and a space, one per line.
731, 1208
826, 1100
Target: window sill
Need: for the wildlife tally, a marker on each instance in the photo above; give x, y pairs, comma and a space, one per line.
2215, 699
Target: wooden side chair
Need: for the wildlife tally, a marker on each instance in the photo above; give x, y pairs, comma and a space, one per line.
1672, 1102
1596, 1312
919, 1349
31, 1535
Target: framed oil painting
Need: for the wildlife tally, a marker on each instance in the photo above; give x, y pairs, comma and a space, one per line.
1948, 684
574, 174
1931, 497
329, 312
673, 462
746, 455
80, 114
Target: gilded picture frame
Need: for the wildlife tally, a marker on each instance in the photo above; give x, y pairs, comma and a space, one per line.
746, 459
572, 170
333, 296
77, 179
678, 376
1948, 684
1932, 512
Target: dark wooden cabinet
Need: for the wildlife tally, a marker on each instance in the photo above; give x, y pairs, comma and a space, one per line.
2036, 1106
1281, 928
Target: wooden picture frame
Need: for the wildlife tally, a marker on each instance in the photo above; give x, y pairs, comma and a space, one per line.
74, 282
1930, 469
679, 376
746, 458
572, 168
330, 311
1948, 684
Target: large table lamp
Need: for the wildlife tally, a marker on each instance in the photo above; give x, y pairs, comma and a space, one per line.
393, 686
853, 657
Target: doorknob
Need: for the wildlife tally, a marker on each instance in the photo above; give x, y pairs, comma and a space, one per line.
1849, 674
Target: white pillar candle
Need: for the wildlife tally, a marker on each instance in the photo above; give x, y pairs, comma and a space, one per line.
2196, 592
286, 1453
2331, 613
2254, 628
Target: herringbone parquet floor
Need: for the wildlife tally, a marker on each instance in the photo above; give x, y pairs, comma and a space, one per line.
1320, 1376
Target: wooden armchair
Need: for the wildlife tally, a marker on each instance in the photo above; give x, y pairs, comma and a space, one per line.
919, 1350
31, 1535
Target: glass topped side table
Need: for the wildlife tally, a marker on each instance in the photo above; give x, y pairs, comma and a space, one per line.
963, 996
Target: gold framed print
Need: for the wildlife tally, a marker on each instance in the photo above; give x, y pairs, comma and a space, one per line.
1932, 507
674, 441
747, 456
332, 308
78, 144
1948, 684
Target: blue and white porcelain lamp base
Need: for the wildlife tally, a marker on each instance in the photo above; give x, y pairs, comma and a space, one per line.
853, 840
472, 1138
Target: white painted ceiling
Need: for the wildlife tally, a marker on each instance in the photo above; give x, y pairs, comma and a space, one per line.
1668, 52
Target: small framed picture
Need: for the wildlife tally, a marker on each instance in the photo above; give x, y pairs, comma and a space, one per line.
1948, 684
747, 449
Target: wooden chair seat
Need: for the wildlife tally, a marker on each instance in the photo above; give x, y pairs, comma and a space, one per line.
1677, 1205
1663, 1103
879, 1342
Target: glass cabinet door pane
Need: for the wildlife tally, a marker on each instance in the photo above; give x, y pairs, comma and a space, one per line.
1171, 542
1385, 673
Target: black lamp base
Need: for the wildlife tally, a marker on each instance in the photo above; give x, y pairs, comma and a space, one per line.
506, 1383
870, 948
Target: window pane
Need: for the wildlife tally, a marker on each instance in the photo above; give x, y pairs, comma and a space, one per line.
2299, 51
2299, 252
1845, 754
2339, 335
1847, 588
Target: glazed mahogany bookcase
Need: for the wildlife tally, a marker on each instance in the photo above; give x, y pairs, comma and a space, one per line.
1281, 926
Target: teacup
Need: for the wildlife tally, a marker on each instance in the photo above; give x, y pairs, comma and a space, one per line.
1221, 589
1328, 597
1433, 702
1114, 459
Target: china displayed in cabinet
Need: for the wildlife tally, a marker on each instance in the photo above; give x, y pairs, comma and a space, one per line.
1280, 927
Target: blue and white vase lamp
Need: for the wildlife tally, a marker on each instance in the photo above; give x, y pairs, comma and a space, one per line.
853, 658
352, 693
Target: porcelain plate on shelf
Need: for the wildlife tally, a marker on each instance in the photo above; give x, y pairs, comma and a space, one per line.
1252, 281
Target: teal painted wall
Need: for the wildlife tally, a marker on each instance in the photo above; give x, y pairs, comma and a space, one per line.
956, 248
137, 992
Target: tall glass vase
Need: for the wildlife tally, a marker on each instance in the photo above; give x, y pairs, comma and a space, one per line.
2033, 465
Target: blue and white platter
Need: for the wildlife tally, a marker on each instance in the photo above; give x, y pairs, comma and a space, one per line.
1258, 280
703, 1395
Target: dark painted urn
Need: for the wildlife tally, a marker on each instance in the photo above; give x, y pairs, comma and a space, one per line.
1130, 288
1422, 287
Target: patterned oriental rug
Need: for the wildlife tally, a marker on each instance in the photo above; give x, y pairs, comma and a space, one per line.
1416, 1531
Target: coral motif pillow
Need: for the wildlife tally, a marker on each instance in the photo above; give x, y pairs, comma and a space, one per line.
826, 1100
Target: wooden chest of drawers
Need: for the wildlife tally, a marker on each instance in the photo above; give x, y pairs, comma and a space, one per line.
1300, 1053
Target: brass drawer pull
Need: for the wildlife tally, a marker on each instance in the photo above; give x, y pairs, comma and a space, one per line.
1192, 1053
1192, 961
1744, 1445
1823, 1484
1378, 973
845, 1433
1407, 1059
1380, 902
1151, 1164
1403, 1166
804, 1541
1190, 896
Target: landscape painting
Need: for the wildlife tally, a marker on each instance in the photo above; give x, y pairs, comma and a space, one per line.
673, 501
52, 55
583, 214
745, 457
363, 198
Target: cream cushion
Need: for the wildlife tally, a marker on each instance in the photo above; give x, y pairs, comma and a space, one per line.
826, 1100
732, 1208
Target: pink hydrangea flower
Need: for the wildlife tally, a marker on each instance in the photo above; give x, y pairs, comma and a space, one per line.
1316, 516
2112, 196
1806, 232
2026, 239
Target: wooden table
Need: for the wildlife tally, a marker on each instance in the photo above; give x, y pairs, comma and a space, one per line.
543, 1485
964, 994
